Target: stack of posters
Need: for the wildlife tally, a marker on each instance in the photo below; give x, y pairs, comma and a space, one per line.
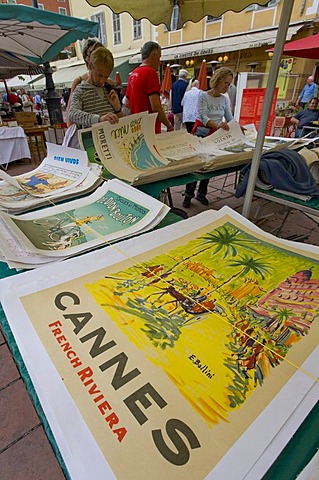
225, 148
17, 200
64, 173
62, 169
233, 147
128, 150
114, 211
276, 143
189, 354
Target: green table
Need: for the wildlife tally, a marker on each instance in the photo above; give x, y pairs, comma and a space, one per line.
153, 189
310, 206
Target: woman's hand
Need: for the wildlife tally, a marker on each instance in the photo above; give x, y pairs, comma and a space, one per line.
223, 125
109, 117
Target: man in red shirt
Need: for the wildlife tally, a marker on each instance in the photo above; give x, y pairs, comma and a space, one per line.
143, 89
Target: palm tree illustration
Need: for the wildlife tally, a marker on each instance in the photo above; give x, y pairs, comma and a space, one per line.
283, 313
247, 265
225, 239
278, 317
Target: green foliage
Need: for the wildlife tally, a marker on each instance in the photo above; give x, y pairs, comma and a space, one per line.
227, 239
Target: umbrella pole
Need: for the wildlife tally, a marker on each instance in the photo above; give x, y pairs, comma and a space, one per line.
273, 74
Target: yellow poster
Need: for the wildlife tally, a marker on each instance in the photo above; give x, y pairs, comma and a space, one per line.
171, 355
282, 83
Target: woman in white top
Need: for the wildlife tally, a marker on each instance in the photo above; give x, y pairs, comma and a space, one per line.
213, 113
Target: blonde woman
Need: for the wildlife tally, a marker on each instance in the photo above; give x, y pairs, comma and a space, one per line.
213, 113
91, 102
90, 45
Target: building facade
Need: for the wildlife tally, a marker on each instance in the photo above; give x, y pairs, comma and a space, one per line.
240, 41
123, 35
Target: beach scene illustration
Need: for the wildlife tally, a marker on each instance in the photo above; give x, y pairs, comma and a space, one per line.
43, 182
137, 154
218, 314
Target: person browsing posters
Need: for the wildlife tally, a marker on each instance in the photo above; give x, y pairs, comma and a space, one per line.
91, 102
143, 89
213, 113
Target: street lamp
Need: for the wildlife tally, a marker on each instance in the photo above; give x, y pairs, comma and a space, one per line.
214, 64
253, 65
52, 99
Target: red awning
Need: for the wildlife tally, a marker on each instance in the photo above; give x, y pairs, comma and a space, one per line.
307, 47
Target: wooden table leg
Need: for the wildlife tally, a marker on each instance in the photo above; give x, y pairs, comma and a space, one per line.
31, 147
44, 142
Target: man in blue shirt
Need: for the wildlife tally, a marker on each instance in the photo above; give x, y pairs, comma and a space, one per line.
305, 117
177, 94
309, 91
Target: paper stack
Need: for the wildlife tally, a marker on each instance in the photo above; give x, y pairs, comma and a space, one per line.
114, 211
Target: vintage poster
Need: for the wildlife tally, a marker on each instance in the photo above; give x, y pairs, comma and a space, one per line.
129, 151
184, 354
232, 140
133, 140
115, 210
284, 77
126, 149
62, 169
227, 147
87, 143
178, 145
15, 200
